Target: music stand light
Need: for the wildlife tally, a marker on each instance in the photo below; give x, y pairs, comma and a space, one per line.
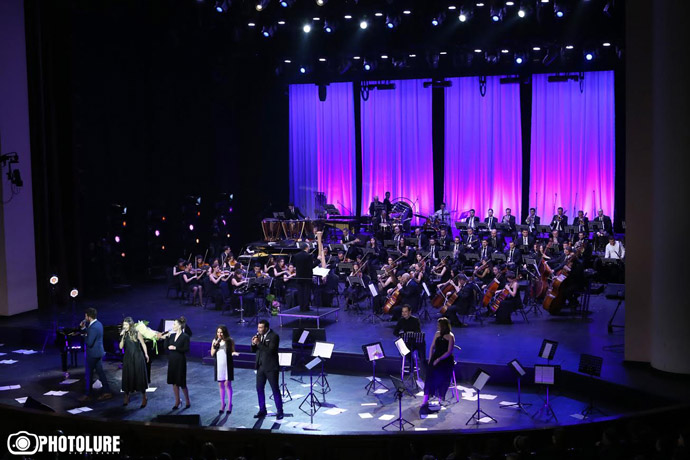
373, 352
545, 375
478, 383
591, 365
519, 372
323, 350
400, 388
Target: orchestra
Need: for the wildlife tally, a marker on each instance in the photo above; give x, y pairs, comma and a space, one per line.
492, 255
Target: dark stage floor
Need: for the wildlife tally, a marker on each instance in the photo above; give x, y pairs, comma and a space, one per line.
489, 344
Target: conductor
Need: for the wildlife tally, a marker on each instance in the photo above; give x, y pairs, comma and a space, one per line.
304, 264
265, 345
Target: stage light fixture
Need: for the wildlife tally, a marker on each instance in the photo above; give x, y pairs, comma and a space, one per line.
496, 14
558, 9
322, 59
569, 47
480, 4
510, 3
356, 58
222, 6
306, 28
251, 24
407, 12
261, 4
268, 31
303, 70
281, 23
392, 22
157, 233
536, 48
287, 61
348, 16
477, 50
286, 3
367, 66
378, 14
74, 293
589, 55
452, 7
321, 2
328, 27
53, 280
606, 44
363, 25
191, 227
518, 60
522, 13
123, 254
462, 17
117, 239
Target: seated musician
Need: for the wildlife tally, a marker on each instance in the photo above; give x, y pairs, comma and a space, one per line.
398, 236
513, 255
293, 212
509, 218
583, 247
418, 273
269, 265
409, 323
581, 222
602, 235
354, 293
532, 220
511, 302
290, 284
177, 272
421, 262
490, 220
483, 272
443, 215
224, 257
456, 247
326, 290
553, 246
614, 250
497, 274
471, 241
382, 225
389, 276
257, 272
192, 285
277, 273
495, 241
444, 240
462, 305
525, 241
559, 221
485, 251
441, 272
422, 242
433, 250
218, 286
409, 294
472, 220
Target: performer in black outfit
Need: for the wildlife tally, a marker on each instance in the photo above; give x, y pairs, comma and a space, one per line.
134, 373
409, 323
265, 345
293, 212
178, 344
440, 366
304, 264
462, 304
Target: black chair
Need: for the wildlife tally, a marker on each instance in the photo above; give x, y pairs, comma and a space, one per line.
173, 284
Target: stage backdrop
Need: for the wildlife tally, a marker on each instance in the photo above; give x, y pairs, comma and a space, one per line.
573, 145
322, 147
483, 148
397, 153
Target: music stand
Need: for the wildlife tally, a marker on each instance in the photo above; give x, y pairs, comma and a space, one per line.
545, 375
522, 227
471, 258
462, 226
478, 382
424, 315
302, 339
543, 229
591, 365
389, 244
615, 292
284, 361
279, 215
373, 352
374, 317
311, 399
443, 254
400, 422
356, 281
323, 350
404, 352
519, 371
498, 257
548, 349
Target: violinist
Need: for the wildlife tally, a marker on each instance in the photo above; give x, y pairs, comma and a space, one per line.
420, 261
441, 272
354, 293
581, 222
457, 249
258, 273
177, 272
559, 221
224, 256
192, 285
417, 272
290, 284
388, 278
217, 280
463, 303
269, 265
483, 272
511, 302
200, 264
532, 220
277, 274
230, 263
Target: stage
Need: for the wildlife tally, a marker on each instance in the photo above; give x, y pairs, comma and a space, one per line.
622, 389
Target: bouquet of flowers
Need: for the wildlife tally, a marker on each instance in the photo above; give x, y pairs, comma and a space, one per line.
275, 305
147, 333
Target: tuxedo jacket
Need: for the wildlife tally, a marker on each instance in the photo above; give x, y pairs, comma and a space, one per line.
537, 220
494, 222
94, 340
554, 222
474, 243
517, 255
267, 352
608, 227
474, 219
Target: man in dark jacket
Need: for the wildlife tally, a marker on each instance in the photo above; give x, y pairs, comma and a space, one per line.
304, 264
265, 345
94, 354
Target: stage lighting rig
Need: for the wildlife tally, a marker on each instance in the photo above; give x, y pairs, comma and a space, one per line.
268, 31
438, 83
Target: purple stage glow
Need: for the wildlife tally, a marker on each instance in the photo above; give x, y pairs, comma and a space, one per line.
483, 148
573, 145
397, 145
322, 147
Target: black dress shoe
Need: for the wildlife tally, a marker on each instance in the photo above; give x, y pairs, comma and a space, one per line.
260, 414
279, 415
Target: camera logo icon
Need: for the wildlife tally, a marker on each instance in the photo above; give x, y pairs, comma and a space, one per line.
22, 443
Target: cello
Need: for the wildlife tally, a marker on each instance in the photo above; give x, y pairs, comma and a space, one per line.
450, 299
439, 300
491, 289
555, 296
393, 300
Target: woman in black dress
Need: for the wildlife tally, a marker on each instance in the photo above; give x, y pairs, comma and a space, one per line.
134, 374
440, 366
178, 344
223, 350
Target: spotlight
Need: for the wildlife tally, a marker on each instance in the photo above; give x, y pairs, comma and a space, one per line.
117, 239
606, 44
157, 233
589, 55
286, 3
462, 17
306, 28
569, 47
328, 27
261, 4
321, 2
124, 223
509, 3
222, 6
122, 254
559, 13
378, 14
191, 227
496, 14
392, 22
268, 31
407, 12
348, 16
522, 13
518, 60
54, 280
302, 70
74, 293
363, 25
367, 66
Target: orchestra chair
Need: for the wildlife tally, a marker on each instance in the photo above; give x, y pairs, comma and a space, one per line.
453, 381
173, 284
475, 309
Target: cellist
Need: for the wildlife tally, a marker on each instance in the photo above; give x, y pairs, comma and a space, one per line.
510, 302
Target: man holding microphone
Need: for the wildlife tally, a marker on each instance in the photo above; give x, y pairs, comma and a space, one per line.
265, 345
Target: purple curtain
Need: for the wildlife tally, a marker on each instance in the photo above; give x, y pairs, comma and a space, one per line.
573, 145
397, 146
322, 147
483, 148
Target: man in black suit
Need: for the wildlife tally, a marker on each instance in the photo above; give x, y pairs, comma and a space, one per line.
509, 218
304, 264
265, 345
532, 220
490, 220
293, 212
409, 295
422, 241
472, 220
601, 236
94, 354
433, 250
513, 254
485, 250
525, 241
559, 221
444, 239
496, 241
471, 241
581, 222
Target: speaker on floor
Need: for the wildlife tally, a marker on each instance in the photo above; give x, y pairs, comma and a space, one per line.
31, 403
191, 419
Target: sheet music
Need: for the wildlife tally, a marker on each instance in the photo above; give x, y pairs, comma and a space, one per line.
285, 359
481, 381
320, 271
547, 351
303, 337
544, 374
402, 348
373, 290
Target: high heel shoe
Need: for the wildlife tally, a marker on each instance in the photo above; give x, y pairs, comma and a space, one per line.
222, 409
177, 405
229, 411
143, 403
188, 405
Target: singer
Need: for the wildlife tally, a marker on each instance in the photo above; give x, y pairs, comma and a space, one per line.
265, 345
